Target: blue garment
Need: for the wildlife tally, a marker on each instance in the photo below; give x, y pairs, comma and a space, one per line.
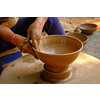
9, 58
1, 68
52, 27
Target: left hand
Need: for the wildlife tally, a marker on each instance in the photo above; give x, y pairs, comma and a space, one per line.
24, 46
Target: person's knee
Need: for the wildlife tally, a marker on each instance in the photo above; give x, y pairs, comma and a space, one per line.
55, 26
53, 19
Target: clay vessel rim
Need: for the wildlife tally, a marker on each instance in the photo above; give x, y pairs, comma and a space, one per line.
64, 53
80, 26
80, 34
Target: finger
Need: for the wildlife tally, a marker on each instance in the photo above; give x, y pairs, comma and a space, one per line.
34, 43
26, 40
23, 49
27, 47
28, 36
33, 53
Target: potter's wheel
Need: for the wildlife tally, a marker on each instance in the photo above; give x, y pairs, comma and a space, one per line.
86, 70
55, 77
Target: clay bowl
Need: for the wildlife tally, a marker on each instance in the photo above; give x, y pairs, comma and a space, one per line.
88, 28
82, 37
58, 51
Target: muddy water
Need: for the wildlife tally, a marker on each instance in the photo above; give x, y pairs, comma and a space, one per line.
57, 48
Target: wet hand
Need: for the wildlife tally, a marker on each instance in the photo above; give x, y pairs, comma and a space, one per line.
33, 34
24, 46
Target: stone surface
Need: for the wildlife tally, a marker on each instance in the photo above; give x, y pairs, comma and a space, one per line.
92, 47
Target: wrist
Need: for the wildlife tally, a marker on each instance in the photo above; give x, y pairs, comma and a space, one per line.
39, 23
13, 39
17, 39
41, 20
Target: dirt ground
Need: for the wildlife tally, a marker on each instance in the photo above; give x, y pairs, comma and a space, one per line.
81, 20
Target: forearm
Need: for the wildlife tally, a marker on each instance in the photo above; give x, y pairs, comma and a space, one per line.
39, 22
6, 34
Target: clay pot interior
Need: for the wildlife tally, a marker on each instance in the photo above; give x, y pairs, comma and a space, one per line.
58, 52
82, 37
87, 28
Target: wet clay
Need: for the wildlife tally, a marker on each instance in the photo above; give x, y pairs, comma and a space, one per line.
58, 52
82, 37
57, 48
52, 76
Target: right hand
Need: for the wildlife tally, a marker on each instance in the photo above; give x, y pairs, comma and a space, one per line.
33, 34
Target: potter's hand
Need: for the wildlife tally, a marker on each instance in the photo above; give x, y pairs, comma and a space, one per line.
33, 34
24, 46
